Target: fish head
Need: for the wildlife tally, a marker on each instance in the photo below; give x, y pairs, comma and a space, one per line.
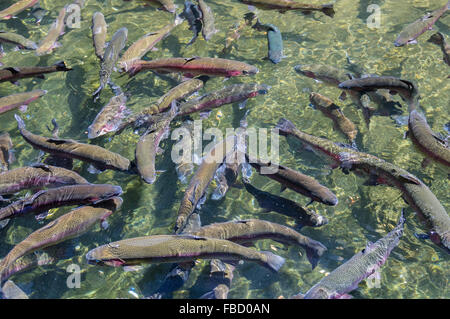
109, 192
248, 70
105, 255
263, 89
98, 129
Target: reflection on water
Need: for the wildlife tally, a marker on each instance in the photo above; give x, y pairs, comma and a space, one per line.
415, 269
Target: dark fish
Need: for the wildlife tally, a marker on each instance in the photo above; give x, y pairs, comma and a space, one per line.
6, 155
193, 15
272, 203
61, 196
285, 5
177, 248
274, 41
438, 39
110, 58
98, 156
68, 226
251, 230
221, 274
36, 177
412, 31
346, 277
13, 74
17, 39
295, 180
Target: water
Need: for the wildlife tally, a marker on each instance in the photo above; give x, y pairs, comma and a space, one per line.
415, 269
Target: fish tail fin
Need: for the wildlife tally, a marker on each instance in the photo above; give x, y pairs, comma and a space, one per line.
133, 69
61, 66
314, 253
20, 122
285, 126
96, 94
328, 9
274, 262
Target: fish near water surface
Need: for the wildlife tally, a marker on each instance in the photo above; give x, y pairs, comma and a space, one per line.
6, 155
19, 100
49, 43
438, 39
177, 248
193, 15
16, 8
285, 5
13, 74
17, 39
274, 41
99, 32
208, 28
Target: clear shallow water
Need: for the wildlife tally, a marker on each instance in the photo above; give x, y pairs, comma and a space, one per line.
415, 269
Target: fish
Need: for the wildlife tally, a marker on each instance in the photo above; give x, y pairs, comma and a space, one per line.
192, 67
11, 291
27, 262
49, 43
411, 32
274, 41
201, 180
230, 94
110, 117
16, 8
99, 157
365, 263
193, 15
414, 191
6, 155
250, 230
17, 39
178, 92
427, 141
438, 39
167, 5
285, 5
19, 100
177, 248
112, 51
294, 180
185, 167
60, 196
13, 74
208, 29
222, 274
38, 13
99, 32
235, 31
272, 203
70, 225
146, 43
37, 176
331, 110
148, 145
225, 177
325, 73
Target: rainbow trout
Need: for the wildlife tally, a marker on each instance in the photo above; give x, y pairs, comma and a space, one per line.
234, 93
285, 5
61, 196
49, 43
334, 112
296, 181
281, 205
346, 277
16, 8
177, 248
251, 230
412, 31
37, 176
192, 67
19, 100
142, 46
13, 74
201, 180
17, 39
438, 39
148, 145
68, 226
99, 157
208, 29
99, 32
426, 140
26, 263
6, 154
112, 51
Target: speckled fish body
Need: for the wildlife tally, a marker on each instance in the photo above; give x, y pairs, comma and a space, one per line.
208, 29
99, 32
13, 101
286, 5
6, 155
48, 44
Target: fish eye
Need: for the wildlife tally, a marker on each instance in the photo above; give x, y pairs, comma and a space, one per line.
244, 72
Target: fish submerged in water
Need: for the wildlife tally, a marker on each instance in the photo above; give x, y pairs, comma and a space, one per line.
285, 5
17, 39
61, 196
208, 29
412, 31
20, 100
16, 8
192, 67
68, 226
49, 43
193, 15
110, 58
99, 157
274, 41
251, 230
346, 277
99, 32
37, 176
235, 31
6, 154
13, 74
177, 248
438, 39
